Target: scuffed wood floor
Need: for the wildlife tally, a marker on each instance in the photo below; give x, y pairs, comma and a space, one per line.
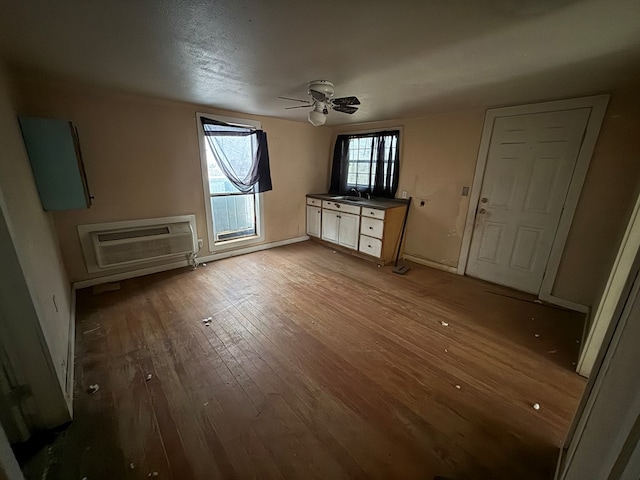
316, 365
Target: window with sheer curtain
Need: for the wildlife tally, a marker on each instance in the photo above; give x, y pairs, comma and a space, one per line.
236, 161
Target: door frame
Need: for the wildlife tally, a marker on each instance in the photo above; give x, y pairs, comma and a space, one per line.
598, 106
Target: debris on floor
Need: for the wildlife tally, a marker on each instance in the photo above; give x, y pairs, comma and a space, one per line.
207, 321
458, 387
148, 377
537, 335
206, 404
443, 323
203, 264
446, 351
536, 406
132, 466
93, 388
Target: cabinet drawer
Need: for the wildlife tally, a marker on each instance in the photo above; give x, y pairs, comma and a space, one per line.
341, 207
370, 246
316, 202
372, 227
373, 213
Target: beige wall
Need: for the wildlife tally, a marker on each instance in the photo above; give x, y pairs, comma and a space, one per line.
439, 154
142, 161
36, 292
607, 199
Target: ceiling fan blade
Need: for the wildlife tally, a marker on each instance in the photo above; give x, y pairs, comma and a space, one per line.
298, 106
294, 99
346, 101
345, 109
318, 96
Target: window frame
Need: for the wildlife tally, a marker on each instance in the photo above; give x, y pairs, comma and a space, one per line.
235, 243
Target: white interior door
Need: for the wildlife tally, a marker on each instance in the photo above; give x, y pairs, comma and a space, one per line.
529, 167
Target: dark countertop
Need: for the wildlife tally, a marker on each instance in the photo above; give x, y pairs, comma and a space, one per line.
381, 203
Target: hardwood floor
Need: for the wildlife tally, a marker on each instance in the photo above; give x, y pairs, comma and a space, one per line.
316, 365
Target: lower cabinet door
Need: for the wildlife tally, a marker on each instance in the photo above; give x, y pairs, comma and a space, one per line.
330, 225
370, 246
349, 230
314, 216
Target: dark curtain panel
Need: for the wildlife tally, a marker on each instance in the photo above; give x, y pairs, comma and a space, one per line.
384, 160
340, 166
248, 172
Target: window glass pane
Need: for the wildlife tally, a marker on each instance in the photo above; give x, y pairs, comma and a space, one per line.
361, 172
218, 183
233, 216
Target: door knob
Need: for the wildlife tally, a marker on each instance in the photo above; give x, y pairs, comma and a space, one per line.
482, 210
484, 200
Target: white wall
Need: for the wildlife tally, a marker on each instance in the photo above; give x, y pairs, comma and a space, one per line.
40, 311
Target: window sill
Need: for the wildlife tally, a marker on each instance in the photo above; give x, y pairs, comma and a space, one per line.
235, 244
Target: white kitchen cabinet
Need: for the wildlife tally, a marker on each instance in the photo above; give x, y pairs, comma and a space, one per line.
314, 220
349, 230
369, 228
371, 246
330, 225
341, 228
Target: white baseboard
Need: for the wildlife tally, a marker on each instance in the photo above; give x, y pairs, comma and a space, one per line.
561, 302
254, 248
183, 263
429, 263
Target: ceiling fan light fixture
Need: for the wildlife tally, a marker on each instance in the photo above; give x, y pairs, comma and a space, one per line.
317, 117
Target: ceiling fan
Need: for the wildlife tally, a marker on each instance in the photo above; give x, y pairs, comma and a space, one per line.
321, 93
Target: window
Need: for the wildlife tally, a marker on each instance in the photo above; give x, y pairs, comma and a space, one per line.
233, 216
368, 162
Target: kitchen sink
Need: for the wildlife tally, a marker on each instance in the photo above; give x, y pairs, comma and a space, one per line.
351, 199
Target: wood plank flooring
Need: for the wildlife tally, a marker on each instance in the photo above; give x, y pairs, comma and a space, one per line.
316, 365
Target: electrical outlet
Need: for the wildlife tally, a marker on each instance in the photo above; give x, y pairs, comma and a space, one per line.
404, 194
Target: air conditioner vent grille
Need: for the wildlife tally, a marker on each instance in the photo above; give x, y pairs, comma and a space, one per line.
144, 232
144, 250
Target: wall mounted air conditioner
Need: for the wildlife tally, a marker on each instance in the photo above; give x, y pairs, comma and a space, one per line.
123, 245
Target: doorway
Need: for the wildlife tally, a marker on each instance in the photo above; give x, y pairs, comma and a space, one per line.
531, 166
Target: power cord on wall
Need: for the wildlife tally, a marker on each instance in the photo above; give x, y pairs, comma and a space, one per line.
192, 257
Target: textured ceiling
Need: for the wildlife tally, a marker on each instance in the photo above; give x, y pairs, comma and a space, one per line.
402, 58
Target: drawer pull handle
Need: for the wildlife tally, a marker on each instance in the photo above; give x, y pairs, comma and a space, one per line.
369, 246
370, 228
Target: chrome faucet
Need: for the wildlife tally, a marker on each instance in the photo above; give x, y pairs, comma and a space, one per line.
354, 189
